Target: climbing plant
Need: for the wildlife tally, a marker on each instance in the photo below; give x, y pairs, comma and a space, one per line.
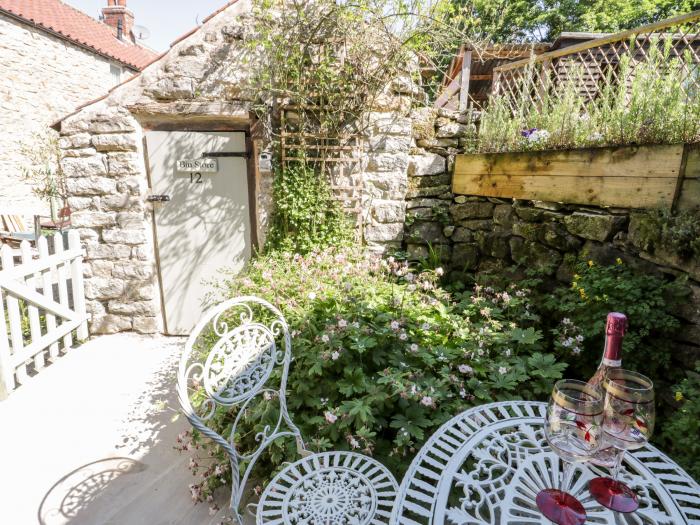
332, 60
305, 215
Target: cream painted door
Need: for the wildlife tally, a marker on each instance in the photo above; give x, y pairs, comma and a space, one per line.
205, 226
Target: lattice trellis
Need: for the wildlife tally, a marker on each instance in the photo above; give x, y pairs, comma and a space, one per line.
593, 64
336, 156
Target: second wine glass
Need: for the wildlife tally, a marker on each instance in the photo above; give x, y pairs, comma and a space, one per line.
628, 424
573, 430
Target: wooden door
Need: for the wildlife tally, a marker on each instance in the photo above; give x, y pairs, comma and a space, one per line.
204, 226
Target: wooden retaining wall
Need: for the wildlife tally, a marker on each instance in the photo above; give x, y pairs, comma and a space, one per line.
628, 176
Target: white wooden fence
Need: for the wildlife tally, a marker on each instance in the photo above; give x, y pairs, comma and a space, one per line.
42, 303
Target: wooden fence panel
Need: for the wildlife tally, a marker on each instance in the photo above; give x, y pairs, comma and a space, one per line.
29, 286
634, 177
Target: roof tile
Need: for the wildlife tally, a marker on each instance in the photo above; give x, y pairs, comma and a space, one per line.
77, 27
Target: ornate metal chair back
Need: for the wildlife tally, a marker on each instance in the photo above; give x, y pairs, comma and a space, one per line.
227, 361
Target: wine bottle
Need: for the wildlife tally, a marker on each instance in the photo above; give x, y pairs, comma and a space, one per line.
615, 328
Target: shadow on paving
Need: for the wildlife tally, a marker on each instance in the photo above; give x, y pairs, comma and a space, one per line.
142, 479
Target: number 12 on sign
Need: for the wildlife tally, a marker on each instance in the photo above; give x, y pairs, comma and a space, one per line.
195, 178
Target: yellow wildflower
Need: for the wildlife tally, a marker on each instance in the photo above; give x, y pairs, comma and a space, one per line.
582, 292
577, 276
590, 263
618, 260
679, 395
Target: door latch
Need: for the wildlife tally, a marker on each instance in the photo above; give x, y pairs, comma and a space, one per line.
158, 198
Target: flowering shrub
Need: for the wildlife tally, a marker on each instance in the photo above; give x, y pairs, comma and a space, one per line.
382, 356
681, 432
581, 311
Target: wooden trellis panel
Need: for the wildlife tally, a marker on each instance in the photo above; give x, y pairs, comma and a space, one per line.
338, 157
590, 64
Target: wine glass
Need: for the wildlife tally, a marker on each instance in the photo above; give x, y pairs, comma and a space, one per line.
573, 430
628, 424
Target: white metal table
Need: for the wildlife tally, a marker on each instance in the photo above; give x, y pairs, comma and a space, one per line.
486, 465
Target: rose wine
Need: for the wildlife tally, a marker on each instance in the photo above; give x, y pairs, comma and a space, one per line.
615, 328
612, 354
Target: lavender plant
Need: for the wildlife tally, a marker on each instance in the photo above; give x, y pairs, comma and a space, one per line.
652, 102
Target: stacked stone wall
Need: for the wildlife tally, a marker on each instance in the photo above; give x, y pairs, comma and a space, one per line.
104, 165
480, 235
44, 78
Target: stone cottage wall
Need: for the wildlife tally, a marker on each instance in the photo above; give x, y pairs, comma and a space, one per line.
203, 81
44, 77
483, 235
104, 165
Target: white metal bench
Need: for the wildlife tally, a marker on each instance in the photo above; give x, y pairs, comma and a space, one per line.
227, 361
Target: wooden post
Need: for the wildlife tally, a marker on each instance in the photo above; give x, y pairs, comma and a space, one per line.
34, 322
62, 287
495, 86
466, 72
7, 371
14, 317
47, 288
77, 281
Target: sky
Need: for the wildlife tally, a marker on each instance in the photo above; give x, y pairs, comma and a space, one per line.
166, 19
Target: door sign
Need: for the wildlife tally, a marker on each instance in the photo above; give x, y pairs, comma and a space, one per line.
198, 165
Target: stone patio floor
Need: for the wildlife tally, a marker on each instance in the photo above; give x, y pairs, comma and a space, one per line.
90, 440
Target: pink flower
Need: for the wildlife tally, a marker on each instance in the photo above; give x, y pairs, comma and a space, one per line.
427, 401
465, 369
330, 417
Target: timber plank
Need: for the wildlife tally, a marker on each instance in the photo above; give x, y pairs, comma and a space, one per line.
692, 166
647, 192
627, 161
689, 198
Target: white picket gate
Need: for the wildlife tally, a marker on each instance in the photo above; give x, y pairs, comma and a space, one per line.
42, 302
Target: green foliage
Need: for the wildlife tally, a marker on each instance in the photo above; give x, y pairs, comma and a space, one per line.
651, 106
305, 216
581, 311
525, 20
678, 232
43, 170
382, 355
333, 60
680, 434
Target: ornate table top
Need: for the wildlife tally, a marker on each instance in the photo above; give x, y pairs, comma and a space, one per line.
486, 465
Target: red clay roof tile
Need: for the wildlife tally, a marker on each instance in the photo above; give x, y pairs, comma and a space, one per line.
75, 26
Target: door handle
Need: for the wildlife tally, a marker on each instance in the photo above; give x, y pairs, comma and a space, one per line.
158, 198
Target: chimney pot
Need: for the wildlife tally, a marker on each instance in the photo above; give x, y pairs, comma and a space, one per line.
119, 17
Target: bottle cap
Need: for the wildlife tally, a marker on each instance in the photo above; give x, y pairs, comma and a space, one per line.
616, 325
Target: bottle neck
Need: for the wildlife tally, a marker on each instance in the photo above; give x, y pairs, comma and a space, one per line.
612, 356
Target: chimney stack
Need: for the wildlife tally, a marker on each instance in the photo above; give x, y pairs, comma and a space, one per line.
120, 18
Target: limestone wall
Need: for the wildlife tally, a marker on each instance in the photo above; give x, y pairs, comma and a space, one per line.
104, 165
481, 235
43, 78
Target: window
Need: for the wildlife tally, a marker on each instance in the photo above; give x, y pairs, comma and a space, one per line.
116, 74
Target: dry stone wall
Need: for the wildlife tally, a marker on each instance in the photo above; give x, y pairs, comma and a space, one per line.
204, 80
104, 165
44, 77
474, 234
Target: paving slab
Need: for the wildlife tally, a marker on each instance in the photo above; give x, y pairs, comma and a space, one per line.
89, 440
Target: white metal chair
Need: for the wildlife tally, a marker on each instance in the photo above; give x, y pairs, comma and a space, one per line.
229, 364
